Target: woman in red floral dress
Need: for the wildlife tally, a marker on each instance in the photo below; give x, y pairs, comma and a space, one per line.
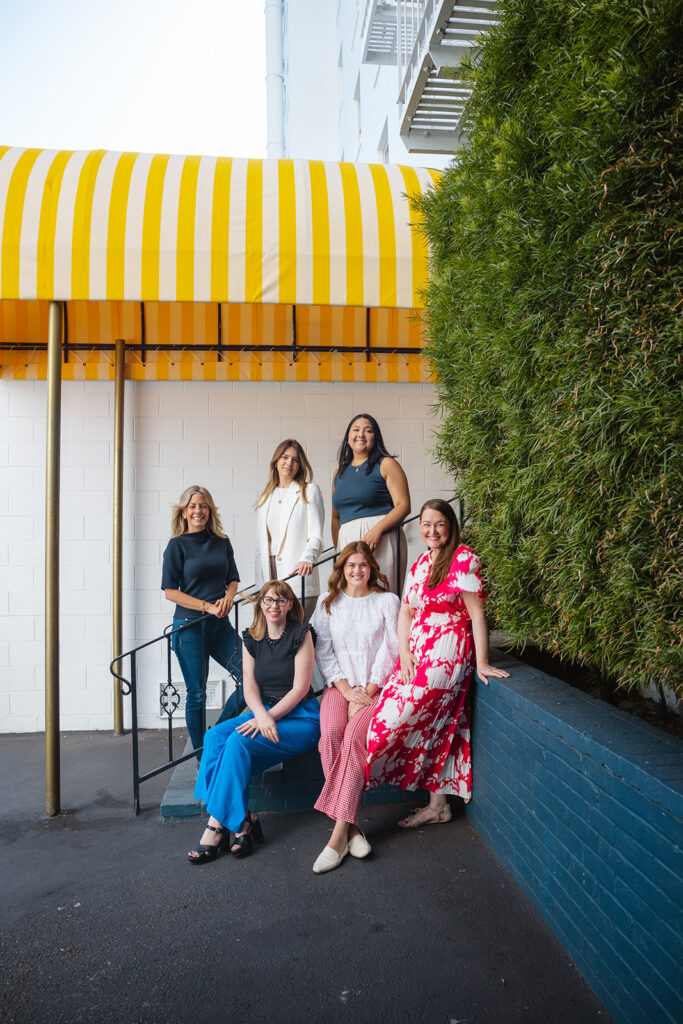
419, 737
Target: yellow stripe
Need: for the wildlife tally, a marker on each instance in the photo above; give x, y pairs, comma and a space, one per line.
187, 206
116, 231
151, 227
320, 221
386, 230
11, 234
3, 150
47, 227
253, 255
354, 235
287, 214
419, 245
220, 230
80, 236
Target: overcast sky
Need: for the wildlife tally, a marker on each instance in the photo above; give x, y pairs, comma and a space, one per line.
179, 76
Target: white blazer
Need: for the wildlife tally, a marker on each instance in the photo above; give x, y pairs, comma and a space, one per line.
302, 540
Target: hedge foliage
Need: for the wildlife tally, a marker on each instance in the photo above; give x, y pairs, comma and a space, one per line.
554, 309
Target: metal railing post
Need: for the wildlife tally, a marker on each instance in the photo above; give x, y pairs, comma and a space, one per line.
52, 473
134, 730
169, 684
117, 544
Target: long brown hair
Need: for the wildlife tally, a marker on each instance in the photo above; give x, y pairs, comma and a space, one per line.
377, 582
303, 476
442, 561
178, 521
295, 614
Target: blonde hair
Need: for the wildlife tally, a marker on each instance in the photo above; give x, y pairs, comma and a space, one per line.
303, 476
178, 520
377, 582
295, 614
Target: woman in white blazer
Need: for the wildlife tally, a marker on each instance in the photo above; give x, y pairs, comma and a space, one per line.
289, 523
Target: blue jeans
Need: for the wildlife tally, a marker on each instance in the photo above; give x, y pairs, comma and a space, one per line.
220, 643
230, 759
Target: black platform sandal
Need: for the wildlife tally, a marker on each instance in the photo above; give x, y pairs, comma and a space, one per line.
243, 844
209, 853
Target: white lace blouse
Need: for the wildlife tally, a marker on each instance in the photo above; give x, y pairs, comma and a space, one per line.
358, 641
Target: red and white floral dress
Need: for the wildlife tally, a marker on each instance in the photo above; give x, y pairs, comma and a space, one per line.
419, 737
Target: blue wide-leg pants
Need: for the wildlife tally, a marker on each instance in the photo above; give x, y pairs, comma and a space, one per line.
230, 759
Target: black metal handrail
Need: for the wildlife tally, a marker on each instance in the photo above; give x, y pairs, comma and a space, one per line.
170, 697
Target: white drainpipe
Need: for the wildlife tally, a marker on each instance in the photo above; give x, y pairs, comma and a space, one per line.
275, 147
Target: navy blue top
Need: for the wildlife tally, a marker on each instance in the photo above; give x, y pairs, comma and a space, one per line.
201, 565
358, 494
274, 660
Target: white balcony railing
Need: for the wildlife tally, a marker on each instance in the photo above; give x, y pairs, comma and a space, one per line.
432, 35
379, 32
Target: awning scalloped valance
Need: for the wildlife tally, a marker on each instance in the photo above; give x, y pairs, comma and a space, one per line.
131, 241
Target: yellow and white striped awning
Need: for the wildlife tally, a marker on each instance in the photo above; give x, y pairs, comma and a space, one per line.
171, 247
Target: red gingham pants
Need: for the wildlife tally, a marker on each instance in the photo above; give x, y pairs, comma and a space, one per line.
343, 749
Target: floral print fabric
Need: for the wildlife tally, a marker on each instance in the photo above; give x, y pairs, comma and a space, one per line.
419, 737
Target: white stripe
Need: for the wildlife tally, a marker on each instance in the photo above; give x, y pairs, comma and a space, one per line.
237, 231
202, 229
99, 226
304, 233
168, 240
368, 205
132, 268
7, 165
30, 222
64, 226
404, 253
271, 232
335, 200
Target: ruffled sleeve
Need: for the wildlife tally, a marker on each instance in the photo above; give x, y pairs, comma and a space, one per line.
413, 583
465, 573
387, 653
325, 658
249, 642
299, 635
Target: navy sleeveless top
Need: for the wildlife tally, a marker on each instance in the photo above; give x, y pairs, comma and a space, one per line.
358, 494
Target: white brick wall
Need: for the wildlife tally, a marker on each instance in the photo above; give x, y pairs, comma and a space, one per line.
219, 436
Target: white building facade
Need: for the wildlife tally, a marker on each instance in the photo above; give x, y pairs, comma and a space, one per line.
336, 86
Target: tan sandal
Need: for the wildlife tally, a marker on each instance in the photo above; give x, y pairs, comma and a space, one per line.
444, 815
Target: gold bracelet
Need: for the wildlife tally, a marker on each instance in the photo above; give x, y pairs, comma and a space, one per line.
203, 607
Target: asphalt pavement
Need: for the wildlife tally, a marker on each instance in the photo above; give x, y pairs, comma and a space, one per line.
104, 920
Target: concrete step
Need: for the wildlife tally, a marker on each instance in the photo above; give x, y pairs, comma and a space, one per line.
292, 786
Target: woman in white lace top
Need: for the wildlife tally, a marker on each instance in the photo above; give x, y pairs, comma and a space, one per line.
357, 649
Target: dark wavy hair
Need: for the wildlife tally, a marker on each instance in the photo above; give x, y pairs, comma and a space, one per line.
377, 453
442, 561
337, 582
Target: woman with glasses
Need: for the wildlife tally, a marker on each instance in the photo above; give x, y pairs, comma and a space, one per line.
283, 720
200, 577
370, 497
356, 651
289, 522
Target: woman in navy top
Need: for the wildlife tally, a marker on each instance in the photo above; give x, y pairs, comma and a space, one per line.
370, 496
200, 577
283, 720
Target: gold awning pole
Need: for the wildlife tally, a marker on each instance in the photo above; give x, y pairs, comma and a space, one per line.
54, 409
117, 630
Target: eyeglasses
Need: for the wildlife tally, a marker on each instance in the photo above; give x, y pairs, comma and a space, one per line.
274, 602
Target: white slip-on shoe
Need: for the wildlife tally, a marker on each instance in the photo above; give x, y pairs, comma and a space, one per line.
329, 859
359, 846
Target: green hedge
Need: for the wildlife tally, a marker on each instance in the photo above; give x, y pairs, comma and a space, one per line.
554, 309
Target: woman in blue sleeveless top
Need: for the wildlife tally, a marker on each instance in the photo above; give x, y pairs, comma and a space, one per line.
370, 496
